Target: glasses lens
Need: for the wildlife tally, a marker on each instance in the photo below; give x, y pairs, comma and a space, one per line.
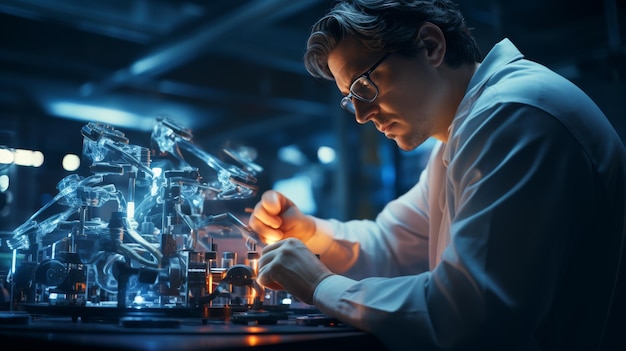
364, 89
346, 104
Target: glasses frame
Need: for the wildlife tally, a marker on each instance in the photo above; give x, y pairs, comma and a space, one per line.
346, 102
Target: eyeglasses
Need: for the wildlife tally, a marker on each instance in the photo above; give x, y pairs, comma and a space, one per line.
362, 88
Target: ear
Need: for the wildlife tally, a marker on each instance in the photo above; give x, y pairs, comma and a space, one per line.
434, 42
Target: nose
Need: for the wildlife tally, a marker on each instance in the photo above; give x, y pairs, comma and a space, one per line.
363, 111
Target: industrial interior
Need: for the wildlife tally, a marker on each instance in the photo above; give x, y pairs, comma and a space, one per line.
123, 87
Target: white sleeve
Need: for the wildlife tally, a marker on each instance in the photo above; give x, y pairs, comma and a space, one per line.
486, 279
395, 243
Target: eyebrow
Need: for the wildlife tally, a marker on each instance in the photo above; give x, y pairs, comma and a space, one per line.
371, 69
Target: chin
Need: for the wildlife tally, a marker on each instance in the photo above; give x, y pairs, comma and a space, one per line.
404, 146
399, 141
407, 145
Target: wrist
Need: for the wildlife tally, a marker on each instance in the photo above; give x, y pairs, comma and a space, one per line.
321, 236
309, 230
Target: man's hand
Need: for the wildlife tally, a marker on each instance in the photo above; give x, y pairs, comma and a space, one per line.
289, 265
276, 217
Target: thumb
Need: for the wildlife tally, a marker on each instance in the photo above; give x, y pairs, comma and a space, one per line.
272, 202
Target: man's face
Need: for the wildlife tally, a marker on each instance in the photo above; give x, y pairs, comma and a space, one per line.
404, 109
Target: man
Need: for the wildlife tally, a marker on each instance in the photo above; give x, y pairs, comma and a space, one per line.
512, 237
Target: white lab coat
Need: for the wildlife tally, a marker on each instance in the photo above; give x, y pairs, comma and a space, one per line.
510, 238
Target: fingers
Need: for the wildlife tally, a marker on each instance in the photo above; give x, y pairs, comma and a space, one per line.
289, 265
264, 277
266, 233
272, 236
266, 217
271, 201
267, 210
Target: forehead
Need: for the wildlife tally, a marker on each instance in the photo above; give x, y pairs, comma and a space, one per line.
349, 59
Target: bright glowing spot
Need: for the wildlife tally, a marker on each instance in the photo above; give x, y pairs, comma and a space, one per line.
90, 113
156, 173
37, 159
130, 209
28, 158
13, 261
138, 299
326, 154
291, 154
23, 157
6, 156
252, 340
4, 182
71, 162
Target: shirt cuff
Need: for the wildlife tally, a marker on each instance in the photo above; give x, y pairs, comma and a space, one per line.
328, 292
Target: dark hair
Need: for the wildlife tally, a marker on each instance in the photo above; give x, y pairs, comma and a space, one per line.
389, 25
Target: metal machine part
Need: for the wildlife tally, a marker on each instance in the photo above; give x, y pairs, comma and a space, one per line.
230, 181
99, 246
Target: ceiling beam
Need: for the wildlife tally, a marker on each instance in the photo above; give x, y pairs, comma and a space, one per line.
179, 52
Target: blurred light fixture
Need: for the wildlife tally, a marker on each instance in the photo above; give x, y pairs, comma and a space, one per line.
6, 156
71, 162
299, 189
292, 154
30, 158
4, 182
326, 155
91, 113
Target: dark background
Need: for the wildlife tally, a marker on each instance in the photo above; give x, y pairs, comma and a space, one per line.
232, 72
